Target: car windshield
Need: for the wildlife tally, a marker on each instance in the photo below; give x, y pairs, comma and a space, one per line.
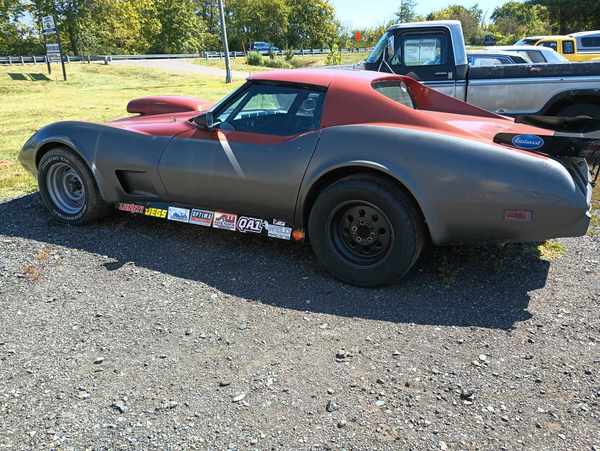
378, 50
396, 91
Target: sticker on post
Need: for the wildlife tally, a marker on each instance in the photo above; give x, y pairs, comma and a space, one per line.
225, 221
252, 225
278, 231
202, 217
179, 214
131, 208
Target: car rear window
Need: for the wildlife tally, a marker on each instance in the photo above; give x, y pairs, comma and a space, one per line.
396, 91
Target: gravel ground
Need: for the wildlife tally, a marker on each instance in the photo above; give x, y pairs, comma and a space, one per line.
140, 334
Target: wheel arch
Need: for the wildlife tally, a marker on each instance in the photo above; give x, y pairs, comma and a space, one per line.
568, 98
335, 174
53, 143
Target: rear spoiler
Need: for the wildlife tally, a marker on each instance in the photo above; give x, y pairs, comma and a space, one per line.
557, 147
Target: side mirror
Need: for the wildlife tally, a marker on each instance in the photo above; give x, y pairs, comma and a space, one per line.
390, 49
205, 120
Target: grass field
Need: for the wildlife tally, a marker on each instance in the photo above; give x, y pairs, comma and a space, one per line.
301, 61
92, 93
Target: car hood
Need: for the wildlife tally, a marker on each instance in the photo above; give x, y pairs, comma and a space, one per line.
161, 116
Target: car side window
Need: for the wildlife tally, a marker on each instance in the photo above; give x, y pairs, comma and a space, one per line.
274, 110
568, 47
551, 44
423, 51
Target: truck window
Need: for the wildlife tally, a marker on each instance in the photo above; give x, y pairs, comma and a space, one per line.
423, 52
592, 41
568, 47
551, 44
396, 91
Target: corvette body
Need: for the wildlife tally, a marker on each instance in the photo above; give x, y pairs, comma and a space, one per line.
270, 149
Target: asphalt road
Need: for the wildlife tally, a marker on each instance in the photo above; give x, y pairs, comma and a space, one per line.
140, 334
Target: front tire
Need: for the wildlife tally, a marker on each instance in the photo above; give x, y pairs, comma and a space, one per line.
68, 189
366, 231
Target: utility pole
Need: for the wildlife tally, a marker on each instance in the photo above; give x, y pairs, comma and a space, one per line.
225, 43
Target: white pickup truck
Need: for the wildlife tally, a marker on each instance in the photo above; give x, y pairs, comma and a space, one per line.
434, 53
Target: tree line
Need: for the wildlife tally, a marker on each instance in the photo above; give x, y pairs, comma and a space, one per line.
191, 26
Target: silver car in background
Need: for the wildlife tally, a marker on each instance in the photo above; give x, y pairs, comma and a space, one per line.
537, 54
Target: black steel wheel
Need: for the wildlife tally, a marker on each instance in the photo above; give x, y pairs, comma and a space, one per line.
68, 189
366, 230
361, 232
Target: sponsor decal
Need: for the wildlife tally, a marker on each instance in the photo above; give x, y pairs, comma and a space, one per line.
253, 225
202, 217
131, 208
278, 231
225, 221
156, 212
179, 214
277, 222
528, 142
518, 215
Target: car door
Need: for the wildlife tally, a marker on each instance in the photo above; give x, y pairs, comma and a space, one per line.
253, 161
428, 55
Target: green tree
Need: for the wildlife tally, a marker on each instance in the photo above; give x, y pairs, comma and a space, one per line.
407, 11
311, 23
470, 18
181, 29
514, 20
257, 20
569, 17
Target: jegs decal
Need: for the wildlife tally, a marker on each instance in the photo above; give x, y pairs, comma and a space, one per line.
156, 212
253, 225
179, 214
130, 208
202, 217
225, 221
278, 231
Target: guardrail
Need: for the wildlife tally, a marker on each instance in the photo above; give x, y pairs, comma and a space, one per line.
208, 55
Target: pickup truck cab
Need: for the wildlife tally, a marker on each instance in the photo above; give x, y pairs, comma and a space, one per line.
435, 54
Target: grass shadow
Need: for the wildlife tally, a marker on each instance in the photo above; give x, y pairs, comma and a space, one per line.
28, 76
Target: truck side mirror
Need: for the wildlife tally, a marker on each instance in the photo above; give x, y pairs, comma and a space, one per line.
390, 49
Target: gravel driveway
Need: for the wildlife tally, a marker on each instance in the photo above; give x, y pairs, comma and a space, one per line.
139, 334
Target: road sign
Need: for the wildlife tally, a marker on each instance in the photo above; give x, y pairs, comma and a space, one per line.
48, 25
357, 37
52, 48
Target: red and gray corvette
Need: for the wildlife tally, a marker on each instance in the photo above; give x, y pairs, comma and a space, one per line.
367, 166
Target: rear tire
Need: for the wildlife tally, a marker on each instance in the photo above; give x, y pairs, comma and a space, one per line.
366, 231
68, 189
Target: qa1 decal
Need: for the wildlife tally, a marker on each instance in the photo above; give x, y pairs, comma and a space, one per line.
253, 225
179, 214
225, 221
528, 142
131, 208
202, 217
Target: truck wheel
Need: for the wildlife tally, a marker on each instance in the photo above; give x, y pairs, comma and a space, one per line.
366, 231
68, 189
581, 109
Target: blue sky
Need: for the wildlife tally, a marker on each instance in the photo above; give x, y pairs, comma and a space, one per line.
362, 13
